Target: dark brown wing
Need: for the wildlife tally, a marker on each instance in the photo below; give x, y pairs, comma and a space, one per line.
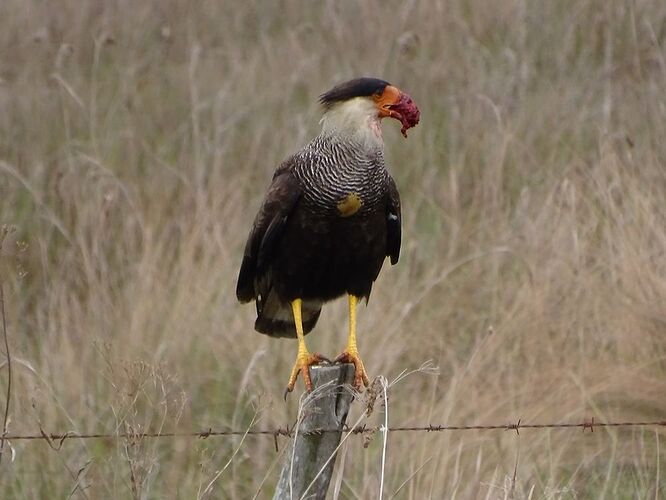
394, 223
283, 194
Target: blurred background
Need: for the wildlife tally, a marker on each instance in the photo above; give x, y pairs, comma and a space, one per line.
136, 143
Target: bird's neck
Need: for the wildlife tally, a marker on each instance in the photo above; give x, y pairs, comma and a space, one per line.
355, 121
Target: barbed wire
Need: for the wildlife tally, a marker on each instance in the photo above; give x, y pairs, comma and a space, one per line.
289, 431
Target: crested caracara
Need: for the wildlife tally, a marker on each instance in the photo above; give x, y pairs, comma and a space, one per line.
330, 218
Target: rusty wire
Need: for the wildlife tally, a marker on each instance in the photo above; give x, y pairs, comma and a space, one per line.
287, 431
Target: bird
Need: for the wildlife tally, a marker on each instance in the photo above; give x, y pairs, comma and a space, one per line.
330, 217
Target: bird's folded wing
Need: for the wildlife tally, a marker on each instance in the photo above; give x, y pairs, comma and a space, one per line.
283, 194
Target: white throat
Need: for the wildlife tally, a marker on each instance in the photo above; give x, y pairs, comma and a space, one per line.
355, 119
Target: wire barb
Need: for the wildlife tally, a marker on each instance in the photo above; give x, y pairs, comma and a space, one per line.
514, 427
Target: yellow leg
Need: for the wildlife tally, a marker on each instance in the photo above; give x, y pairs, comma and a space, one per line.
350, 354
303, 359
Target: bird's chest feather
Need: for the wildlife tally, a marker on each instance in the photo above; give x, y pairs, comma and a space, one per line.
344, 194
341, 179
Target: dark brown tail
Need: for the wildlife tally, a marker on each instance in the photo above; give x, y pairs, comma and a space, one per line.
275, 318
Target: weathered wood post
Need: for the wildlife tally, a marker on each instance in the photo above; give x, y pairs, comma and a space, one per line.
327, 409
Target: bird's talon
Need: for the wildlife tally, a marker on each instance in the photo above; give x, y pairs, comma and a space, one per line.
302, 365
360, 375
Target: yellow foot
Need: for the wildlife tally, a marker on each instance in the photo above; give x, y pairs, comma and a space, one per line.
303, 362
360, 375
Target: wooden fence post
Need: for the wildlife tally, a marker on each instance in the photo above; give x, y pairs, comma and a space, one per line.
327, 410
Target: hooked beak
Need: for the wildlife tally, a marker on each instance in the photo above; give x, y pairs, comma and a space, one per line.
389, 98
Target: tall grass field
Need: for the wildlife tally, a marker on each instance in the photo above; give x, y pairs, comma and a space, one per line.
137, 139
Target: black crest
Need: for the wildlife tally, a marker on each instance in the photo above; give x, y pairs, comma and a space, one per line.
359, 87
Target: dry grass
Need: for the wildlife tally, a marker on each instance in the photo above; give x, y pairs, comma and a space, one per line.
136, 141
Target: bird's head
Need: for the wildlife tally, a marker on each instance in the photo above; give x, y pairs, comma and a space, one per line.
363, 102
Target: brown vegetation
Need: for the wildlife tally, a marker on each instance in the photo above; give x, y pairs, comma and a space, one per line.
136, 141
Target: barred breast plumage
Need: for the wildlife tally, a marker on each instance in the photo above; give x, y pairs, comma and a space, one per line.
329, 170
